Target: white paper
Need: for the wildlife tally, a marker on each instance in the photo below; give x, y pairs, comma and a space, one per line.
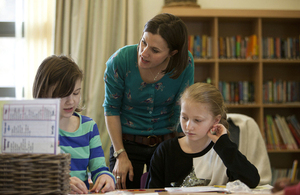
196, 189
29, 126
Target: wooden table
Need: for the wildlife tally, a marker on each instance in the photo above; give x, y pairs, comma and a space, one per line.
162, 192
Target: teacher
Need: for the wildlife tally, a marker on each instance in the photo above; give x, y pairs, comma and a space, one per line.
143, 84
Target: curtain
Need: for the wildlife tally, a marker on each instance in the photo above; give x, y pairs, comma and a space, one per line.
39, 17
90, 31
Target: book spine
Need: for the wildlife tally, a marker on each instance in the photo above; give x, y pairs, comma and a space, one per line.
197, 47
268, 135
291, 139
238, 46
204, 45
245, 91
271, 132
282, 132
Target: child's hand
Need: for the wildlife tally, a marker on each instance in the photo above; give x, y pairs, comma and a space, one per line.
105, 183
216, 131
77, 186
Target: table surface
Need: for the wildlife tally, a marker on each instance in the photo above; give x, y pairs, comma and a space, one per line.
162, 192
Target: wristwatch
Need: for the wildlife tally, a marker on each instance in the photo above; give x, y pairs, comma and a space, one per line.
117, 153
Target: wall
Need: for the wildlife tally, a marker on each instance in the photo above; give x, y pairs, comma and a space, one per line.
152, 7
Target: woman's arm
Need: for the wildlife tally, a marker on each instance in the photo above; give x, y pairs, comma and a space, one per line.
123, 164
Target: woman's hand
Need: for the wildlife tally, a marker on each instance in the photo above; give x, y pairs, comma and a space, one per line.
105, 183
77, 186
123, 167
216, 132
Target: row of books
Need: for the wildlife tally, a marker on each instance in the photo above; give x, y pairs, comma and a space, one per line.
283, 173
200, 46
281, 132
281, 91
236, 47
240, 92
280, 48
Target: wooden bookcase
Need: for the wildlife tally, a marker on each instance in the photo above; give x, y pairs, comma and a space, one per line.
262, 23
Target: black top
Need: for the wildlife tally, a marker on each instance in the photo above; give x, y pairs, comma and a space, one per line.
169, 164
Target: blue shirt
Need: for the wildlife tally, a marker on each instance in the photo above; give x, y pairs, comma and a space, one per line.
86, 151
144, 109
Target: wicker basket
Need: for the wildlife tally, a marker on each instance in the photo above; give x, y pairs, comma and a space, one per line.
34, 174
172, 3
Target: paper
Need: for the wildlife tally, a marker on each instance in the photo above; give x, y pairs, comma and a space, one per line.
258, 189
29, 126
196, 189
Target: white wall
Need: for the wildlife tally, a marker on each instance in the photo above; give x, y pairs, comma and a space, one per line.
152, 7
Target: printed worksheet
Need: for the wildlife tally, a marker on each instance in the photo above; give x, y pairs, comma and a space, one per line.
29, 126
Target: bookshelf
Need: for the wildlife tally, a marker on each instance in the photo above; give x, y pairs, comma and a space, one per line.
262, 23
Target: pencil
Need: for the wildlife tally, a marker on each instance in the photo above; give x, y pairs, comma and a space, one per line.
294, 169
219, 186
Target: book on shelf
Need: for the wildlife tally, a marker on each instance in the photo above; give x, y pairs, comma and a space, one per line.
233, 47
204, 46
291, 143
280, 143
295, 127
273, 132
200, 46
277, 47
281, 91
191, 44
240, 92
280, 133
254, 47
209, 47
274, 140
294, 133
221, 48
197, 48
269, 136
228, 51
233, 95
236, 47
278, 173
294, 122
280, 48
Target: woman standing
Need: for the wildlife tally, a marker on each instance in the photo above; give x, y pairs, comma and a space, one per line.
143, 84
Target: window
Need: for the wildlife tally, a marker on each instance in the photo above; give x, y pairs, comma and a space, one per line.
11, 44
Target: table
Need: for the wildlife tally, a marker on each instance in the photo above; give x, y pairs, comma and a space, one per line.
162, 192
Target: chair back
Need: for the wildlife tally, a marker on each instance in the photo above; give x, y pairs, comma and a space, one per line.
247, 135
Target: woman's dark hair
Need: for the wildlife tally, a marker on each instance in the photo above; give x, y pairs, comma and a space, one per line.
173, 30
56, 78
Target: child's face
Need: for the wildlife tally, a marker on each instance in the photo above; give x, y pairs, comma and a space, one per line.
69, 104
196, 119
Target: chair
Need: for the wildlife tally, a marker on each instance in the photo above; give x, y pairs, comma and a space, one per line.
245, 132
143, 180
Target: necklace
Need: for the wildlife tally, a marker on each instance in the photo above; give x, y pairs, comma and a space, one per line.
154, 76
